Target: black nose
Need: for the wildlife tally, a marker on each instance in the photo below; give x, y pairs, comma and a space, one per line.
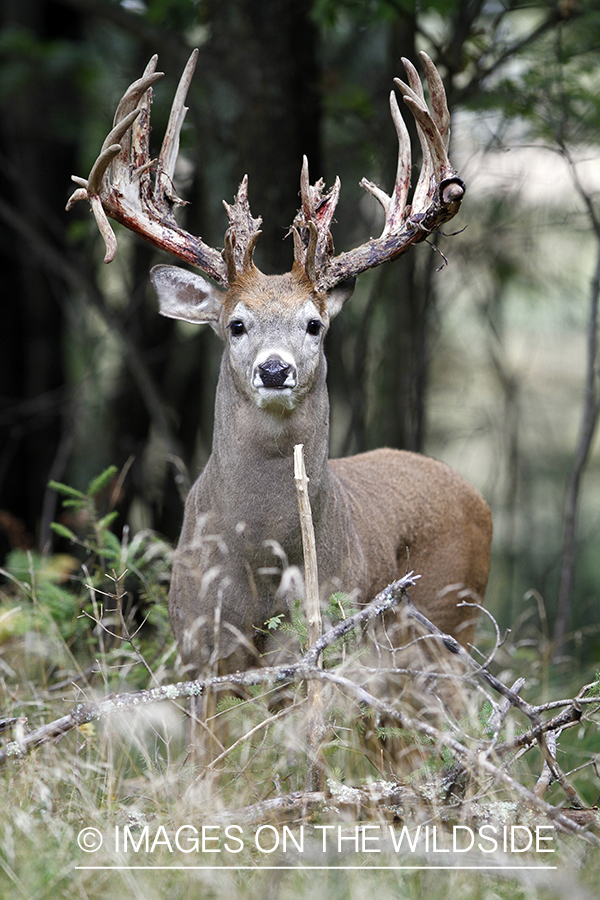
273, 372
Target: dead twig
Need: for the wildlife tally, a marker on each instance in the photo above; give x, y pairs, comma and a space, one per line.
316, 724
476, 759
458, 650
297, 671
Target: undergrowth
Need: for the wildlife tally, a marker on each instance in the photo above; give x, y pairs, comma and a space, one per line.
91, 619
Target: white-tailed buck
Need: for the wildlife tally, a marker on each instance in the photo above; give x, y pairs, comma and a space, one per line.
374, 514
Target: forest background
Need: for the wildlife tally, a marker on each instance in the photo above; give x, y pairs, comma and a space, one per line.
489, 362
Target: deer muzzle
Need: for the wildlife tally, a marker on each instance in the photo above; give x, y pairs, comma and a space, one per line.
274, 372
275, 378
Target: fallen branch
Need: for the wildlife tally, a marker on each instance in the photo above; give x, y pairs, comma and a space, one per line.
451, 644
308, 669
298, 671
477, 761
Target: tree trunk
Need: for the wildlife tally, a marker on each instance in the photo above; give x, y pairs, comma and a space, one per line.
268, 89
35, 172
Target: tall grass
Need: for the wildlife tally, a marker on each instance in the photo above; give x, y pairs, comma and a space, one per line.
91, 620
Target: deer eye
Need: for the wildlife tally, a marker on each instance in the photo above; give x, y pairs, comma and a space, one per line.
314, 327
237, 327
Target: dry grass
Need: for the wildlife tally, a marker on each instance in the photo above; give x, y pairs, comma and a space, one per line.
407, 752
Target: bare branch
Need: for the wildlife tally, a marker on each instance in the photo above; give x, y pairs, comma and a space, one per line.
307, 669
547, 776
475, 760
454, 647
83, 713
312, 601
552, 771
311, 576
501, 711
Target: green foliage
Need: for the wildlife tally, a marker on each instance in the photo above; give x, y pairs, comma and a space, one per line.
554, 88
328, 13
45, 600
339, 607
174, 15
68, 599
100, 482
294, 625
485, 712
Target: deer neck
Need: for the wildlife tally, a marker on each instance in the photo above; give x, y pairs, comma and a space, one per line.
252, 453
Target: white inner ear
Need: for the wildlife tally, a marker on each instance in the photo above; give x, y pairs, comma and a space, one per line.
186, 296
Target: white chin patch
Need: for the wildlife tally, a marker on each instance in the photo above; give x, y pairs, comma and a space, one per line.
275, 398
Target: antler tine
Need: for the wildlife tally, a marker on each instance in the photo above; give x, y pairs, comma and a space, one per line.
170, 146
111, 148
104, 227
425, 131
129, 194
91, 187
438, 193
242, 234
437, 95
313, 244
136, 89
394, 207
432, 127
136, 99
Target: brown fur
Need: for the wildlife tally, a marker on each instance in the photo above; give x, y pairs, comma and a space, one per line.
447, 545
268, 293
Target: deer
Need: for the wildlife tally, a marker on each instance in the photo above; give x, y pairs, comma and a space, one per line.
375, 514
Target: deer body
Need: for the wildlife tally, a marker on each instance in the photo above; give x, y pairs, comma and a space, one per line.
375, 515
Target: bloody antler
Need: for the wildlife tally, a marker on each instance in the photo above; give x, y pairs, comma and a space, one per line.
436, 198
138, 192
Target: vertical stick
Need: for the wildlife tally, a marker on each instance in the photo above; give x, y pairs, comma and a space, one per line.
312, 607
311, 576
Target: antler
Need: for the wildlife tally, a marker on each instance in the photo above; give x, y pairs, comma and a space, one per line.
437, 196
125, 184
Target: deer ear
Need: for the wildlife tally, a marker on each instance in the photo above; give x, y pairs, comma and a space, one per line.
338, 295
186, 296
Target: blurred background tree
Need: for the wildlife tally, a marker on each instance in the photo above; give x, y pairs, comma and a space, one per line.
489, 363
